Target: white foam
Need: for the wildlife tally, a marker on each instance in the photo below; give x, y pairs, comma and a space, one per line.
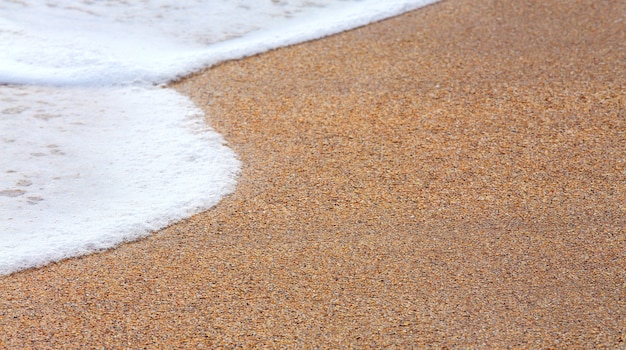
122, 162
113, 43
93, 154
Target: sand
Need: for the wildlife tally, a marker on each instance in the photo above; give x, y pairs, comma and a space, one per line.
453, 177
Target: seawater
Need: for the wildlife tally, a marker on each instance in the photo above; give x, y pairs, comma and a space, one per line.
95, 149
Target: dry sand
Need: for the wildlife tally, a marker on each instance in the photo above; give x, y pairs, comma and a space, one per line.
454, 177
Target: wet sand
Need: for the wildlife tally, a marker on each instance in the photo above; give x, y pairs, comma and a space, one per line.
453, 177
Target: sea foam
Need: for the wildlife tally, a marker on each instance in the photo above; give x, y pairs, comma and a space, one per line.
94, 151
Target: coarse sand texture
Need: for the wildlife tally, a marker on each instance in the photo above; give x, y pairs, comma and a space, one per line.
452, 178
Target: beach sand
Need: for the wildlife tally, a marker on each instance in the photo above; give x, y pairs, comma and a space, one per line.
453, 177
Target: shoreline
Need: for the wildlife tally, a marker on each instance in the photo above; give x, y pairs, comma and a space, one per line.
452, 177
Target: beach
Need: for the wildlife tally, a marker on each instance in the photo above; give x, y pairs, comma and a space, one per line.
454, 177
